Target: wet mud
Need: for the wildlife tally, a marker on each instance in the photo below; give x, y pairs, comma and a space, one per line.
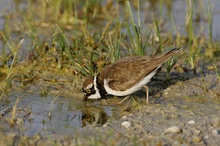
182, 110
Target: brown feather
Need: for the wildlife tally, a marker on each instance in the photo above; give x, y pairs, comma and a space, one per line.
127, 72
88, 81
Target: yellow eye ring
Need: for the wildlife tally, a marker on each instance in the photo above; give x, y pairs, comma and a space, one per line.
88, 91
88, 118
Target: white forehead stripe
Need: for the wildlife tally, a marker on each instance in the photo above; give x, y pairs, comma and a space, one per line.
97, 94
89, 86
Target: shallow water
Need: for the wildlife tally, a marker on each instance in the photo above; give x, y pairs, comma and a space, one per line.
36, 113
50, 114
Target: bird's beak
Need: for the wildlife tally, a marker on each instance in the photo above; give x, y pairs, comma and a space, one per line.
84, 98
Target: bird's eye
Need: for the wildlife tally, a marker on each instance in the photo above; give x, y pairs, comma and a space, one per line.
88, 118
88, 91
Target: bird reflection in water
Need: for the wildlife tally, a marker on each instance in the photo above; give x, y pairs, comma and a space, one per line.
93, 116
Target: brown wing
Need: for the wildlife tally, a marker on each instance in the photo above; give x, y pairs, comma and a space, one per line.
127, 72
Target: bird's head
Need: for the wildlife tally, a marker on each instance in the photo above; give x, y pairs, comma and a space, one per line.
90, 89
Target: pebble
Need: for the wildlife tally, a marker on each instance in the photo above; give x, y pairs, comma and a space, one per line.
166, 91
126, 124
19, 120
216, 132
197, 138
174, 116
173, 130
197, 132
105, 125
216, 122
191, 122
206, 137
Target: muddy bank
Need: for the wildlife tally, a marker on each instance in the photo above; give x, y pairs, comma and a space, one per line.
186, 112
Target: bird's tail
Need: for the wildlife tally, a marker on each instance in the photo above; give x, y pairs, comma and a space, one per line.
160, 59
175, 50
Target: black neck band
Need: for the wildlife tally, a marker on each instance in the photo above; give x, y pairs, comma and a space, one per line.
100, 86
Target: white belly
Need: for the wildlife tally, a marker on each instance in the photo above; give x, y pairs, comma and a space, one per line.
133, 89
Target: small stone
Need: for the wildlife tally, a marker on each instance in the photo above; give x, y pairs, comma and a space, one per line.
126, 124
191, 122
206, 137
173, 130
197, 138
19, 121
174, 116
197, 132
166, 91
216, 122
216, 132
124, 117
105, 125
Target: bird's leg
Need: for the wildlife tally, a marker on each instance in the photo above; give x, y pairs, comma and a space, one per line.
147, 94
124, 99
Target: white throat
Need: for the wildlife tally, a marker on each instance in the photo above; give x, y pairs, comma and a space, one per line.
97, 94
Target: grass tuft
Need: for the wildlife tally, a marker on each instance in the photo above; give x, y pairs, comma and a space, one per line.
217, 71
135, 33
81, 37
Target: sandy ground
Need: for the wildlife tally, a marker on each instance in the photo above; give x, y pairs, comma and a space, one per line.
189, 115
185, 112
